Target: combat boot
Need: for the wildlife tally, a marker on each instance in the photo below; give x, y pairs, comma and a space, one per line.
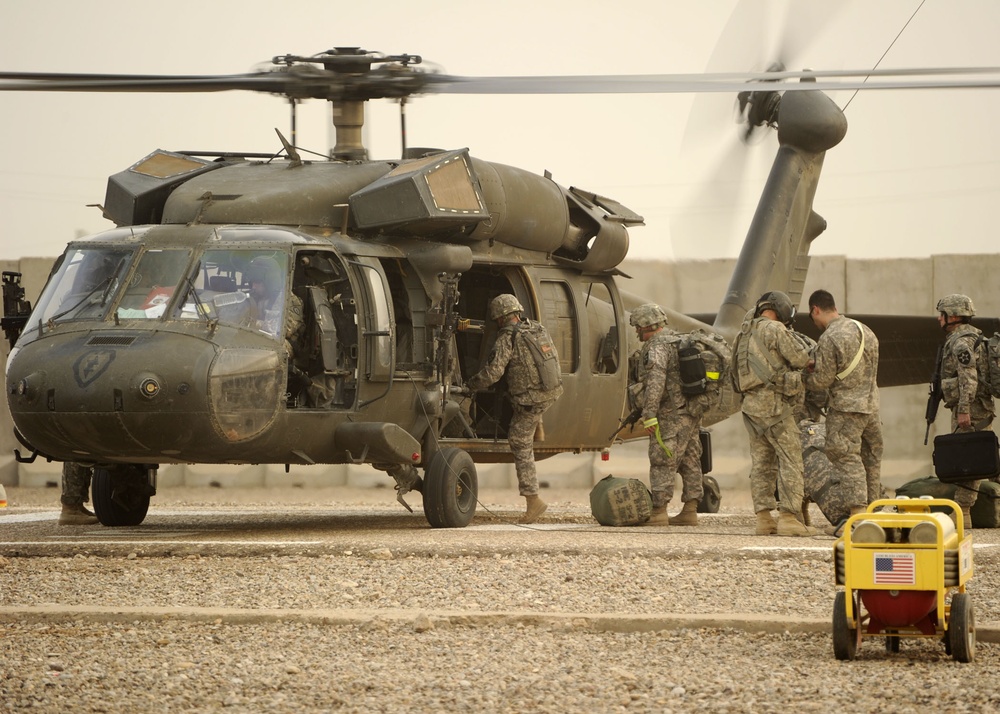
837, 529
688, 515
76, 515
535, 508
766, 524
658, 517
789, 525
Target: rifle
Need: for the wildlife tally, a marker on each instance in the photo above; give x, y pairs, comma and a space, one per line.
626, 423
16, 309
935, 395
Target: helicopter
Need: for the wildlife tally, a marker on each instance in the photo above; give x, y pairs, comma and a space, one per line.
268, 308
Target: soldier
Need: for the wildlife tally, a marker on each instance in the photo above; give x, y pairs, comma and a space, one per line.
768, 362
846, 365
75, 490
963, 384
672, 420
526, 381
267, 292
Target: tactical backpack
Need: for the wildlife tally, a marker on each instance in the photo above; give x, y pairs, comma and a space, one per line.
543, 352
992, 368
704, 361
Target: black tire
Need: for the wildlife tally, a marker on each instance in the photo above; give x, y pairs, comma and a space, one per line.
891, 642
711, 499
962, 628
845, 638
121, 495
451, 489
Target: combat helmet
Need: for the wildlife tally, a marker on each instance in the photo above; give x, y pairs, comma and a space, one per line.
779, 302
648, 315
956, 305
503, 305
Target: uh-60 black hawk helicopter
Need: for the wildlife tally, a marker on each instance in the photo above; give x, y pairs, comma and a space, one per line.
148, 344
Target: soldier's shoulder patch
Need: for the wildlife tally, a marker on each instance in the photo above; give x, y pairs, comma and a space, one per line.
964, 357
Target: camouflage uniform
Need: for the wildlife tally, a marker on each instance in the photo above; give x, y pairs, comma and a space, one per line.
853, 424
678, 418
962, 364
767, 358
75, 483
810, 405
821, 483
529, 400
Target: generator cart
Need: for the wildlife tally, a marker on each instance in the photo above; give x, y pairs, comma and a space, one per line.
897, 567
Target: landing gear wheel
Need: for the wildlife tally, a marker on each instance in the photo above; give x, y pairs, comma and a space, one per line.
962, 628
121, 495
712, 496
891, 642
451, 489
845, 638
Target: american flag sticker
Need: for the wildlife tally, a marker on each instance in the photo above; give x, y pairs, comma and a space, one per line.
895, 568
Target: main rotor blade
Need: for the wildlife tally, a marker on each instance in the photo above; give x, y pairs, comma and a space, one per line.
318, 84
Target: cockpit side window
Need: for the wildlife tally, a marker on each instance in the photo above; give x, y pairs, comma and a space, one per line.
84, 285
244, 288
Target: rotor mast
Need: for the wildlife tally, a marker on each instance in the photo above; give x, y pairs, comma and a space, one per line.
356, 83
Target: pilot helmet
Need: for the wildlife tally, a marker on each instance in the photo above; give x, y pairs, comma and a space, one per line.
263, 269
956, 305
648, 315
503, 305
780, 303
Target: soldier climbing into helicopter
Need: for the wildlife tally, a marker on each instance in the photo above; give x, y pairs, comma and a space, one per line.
524, 352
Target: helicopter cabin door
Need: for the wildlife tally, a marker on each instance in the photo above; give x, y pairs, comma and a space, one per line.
582, 315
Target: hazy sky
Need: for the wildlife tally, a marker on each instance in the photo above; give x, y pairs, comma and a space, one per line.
917, 174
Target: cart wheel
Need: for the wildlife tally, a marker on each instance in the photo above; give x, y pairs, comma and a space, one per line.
891, 642
962, 628
845, 638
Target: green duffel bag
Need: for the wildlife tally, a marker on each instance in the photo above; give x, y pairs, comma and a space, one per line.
618, 501
985, 512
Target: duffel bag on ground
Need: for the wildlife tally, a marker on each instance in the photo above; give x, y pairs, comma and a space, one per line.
616, 501
985, 512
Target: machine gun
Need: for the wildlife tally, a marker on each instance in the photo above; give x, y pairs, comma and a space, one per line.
16, 309
626, 423
934, 395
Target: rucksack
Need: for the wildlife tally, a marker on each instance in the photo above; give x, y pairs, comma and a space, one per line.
992, 370
543, 352
705, 360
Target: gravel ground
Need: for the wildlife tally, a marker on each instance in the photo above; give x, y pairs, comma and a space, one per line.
428, 663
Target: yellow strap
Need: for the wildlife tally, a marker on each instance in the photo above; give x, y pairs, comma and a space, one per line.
857, 358
659, 440
714, 376
650, 423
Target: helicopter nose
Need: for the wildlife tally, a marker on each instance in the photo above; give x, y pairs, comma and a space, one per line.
142, 396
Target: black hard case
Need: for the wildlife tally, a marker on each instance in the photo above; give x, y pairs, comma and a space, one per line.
966, 456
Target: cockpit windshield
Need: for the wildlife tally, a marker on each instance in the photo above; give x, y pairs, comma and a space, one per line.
240, 287
84, 285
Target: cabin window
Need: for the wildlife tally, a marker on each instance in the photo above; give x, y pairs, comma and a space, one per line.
559, 318
379, 331
601, 346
